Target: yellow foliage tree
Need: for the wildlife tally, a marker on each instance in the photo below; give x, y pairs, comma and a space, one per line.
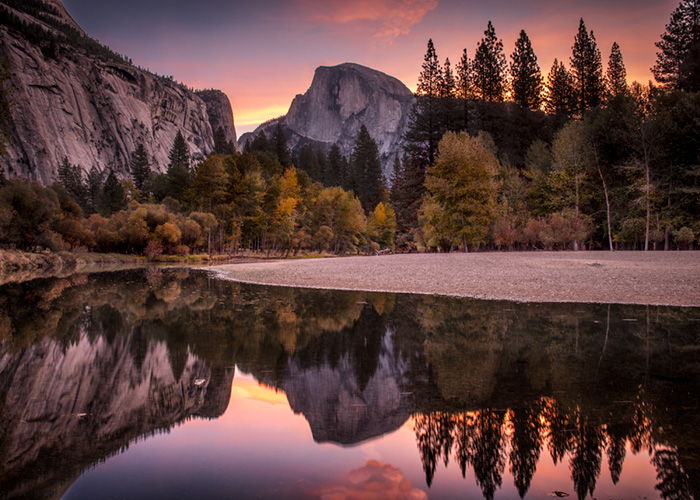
382, 225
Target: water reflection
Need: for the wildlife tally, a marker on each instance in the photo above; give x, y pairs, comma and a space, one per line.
93, 363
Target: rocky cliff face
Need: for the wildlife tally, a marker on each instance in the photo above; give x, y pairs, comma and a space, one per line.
342, 98
335, 407
87, 400
67, 103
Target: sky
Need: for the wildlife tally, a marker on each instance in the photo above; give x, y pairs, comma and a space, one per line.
262, 53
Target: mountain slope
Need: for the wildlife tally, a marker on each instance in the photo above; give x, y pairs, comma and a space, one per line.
71, 97
340, 99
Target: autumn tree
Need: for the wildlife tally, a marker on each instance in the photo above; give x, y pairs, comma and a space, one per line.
489, 67
616, 76
678, 60
586, 70
381, 225
463, 182
526, 80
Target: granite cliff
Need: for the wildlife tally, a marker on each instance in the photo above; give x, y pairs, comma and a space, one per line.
94, 109
342, 98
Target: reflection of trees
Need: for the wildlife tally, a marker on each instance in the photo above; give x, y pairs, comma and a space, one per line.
526, 445
486, 441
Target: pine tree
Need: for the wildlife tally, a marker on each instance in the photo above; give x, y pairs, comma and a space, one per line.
71, 178
179, 153
178, 175
366, 171
489, 67
140, 168
221, 145
559, 91
322, 162
93, 189
260, 144
280, 144
425, 122
447, 87
586, 70
309, 163
678, 60
616, 77
112, 199
525, 74
335, 175
463, 86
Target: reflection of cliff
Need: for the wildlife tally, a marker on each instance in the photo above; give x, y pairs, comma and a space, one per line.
338, 410
86, 400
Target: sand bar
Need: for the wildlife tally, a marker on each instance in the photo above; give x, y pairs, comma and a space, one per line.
656, 278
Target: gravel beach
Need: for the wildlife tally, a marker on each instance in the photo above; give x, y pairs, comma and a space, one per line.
655, 278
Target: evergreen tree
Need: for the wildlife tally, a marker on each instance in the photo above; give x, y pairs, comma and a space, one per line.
178, 175
140, 168
322, 163
221, 146
489, 67
425, 124
448, 84
280, 144
179, 153
616, 80
366, 171
71, 178
260, 144
112, 199
463, 86
678, 60
335, 174
586, 70
525, 74
93, 189
309, 163
559, 91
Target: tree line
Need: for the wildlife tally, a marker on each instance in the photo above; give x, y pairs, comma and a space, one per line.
257, 201
496, 156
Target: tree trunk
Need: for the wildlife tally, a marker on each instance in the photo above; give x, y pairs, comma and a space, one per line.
607, 204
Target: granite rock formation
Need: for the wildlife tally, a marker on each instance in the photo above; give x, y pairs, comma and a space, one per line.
342, 98
66, 102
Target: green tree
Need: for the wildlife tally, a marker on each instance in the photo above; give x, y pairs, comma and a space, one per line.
308, 162
526, 79
463, 182
336, 171
210, 182
112, 199
140, 169
71, 178
616, 77
425, 123
366, 170
586, 70
93, 187
678, 60
178, 175
280, 143
179, 153
463, 85
489, 67
559, 91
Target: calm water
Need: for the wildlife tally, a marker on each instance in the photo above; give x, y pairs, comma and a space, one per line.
177, 384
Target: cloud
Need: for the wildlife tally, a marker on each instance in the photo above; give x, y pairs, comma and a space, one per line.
374, 481
389, 18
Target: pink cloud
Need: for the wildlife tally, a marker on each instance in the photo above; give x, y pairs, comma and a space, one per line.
374, 481
389, 18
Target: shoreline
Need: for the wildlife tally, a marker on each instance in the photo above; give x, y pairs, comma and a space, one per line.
638, 278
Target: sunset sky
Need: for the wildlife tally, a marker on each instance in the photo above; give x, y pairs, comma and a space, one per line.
264, 52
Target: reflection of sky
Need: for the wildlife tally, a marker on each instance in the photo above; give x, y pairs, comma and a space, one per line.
262, 53
260, 448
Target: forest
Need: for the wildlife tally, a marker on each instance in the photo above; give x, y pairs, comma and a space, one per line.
496, 157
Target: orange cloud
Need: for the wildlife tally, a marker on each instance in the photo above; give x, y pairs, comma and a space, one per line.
391, 17
375, 481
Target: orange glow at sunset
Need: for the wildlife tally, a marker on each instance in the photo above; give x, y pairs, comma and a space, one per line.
262, 54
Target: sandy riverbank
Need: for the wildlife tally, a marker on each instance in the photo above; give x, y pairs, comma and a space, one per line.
658, 278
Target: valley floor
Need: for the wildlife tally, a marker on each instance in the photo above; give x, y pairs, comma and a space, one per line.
654, 278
